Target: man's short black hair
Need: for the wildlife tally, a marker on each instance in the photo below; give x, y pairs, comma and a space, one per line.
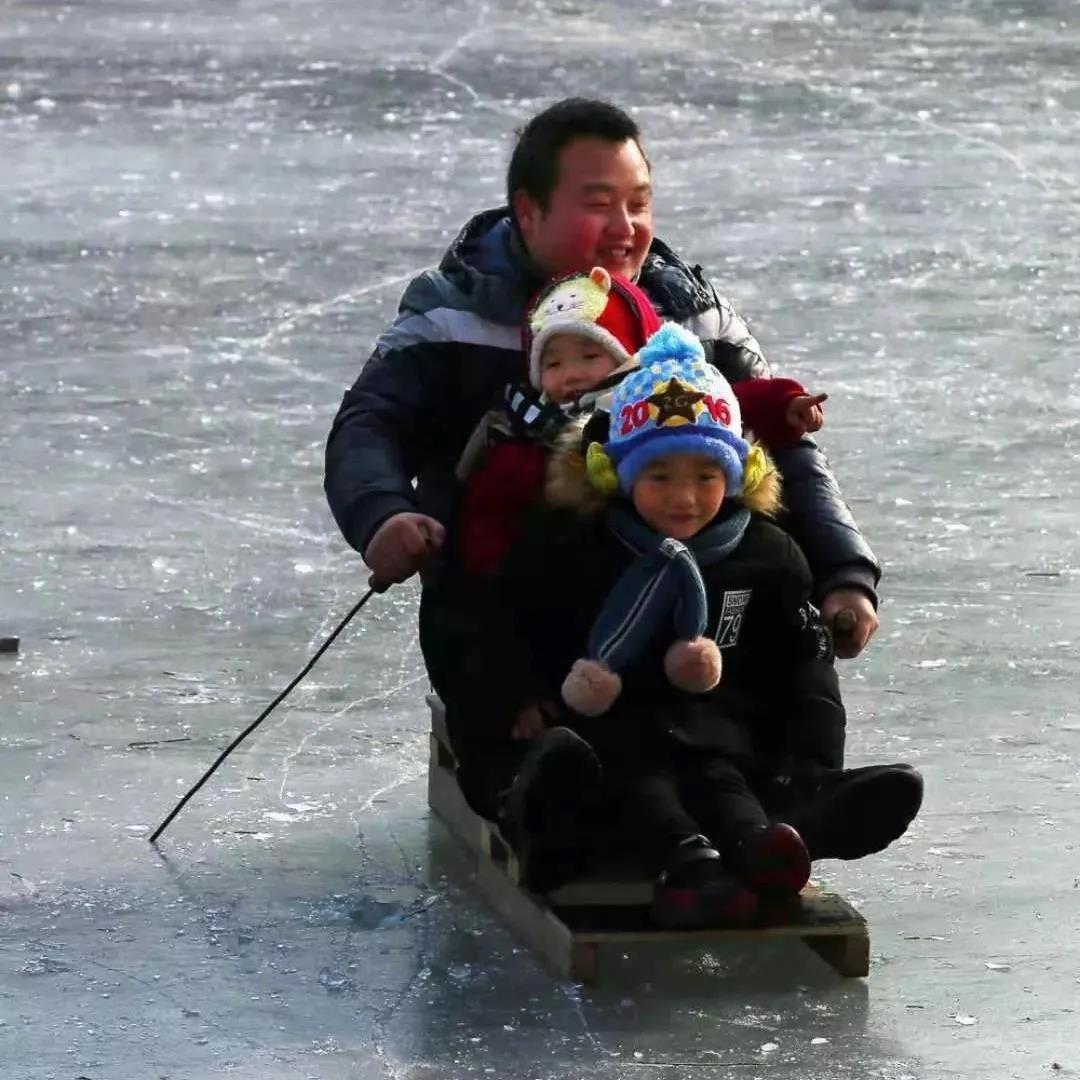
534, 164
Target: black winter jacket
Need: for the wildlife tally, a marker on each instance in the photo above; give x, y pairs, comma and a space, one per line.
454, 345
777, 698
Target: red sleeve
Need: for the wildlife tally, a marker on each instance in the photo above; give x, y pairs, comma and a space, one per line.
498, 492
764, 405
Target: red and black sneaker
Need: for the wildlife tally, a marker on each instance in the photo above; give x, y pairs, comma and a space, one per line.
772, 860
696, 890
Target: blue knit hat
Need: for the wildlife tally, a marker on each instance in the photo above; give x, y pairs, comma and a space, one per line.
675, 402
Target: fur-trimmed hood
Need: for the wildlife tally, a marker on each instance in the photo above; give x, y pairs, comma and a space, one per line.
567, 482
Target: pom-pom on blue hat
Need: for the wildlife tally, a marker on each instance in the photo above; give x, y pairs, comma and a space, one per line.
675, 402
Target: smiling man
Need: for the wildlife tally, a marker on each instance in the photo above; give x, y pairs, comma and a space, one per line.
594, 210
579, 191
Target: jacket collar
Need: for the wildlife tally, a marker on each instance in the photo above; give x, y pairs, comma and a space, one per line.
488, 263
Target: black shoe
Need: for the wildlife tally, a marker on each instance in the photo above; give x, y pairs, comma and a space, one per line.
550, 811
771, 860
849, 813
697, 890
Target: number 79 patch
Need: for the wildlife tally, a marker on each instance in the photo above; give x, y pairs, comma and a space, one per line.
731, 616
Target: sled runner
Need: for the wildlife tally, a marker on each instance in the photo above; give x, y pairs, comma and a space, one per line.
567, 927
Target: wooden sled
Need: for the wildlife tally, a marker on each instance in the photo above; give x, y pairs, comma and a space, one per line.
567, 927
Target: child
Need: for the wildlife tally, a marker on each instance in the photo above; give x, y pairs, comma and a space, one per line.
580, 338
657, 561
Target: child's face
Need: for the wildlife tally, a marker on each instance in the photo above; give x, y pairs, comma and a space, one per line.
570, 365
680, 494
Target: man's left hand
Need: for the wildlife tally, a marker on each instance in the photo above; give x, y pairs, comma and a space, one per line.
851, 632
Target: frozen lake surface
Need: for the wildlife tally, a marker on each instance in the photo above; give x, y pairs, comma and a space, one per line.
209, 212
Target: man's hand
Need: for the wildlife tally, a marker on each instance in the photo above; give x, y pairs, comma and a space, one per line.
532, 720
852, 619
402, 544
804, 413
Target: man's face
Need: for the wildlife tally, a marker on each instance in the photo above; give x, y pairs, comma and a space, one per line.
600, 213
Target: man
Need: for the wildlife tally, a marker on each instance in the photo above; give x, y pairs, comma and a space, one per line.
580, 195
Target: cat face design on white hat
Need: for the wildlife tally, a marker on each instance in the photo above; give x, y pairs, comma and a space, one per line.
580, 298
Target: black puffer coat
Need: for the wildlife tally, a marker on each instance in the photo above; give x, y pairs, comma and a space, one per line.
777, 705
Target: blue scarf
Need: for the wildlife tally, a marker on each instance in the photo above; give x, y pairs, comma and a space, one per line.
661, 589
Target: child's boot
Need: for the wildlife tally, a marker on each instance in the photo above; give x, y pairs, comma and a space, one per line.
549, 813
696, 890
849, 813
772, 860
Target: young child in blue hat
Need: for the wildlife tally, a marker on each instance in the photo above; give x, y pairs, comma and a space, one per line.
653, 609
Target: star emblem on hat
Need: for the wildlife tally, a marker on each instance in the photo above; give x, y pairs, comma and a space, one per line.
676, 403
